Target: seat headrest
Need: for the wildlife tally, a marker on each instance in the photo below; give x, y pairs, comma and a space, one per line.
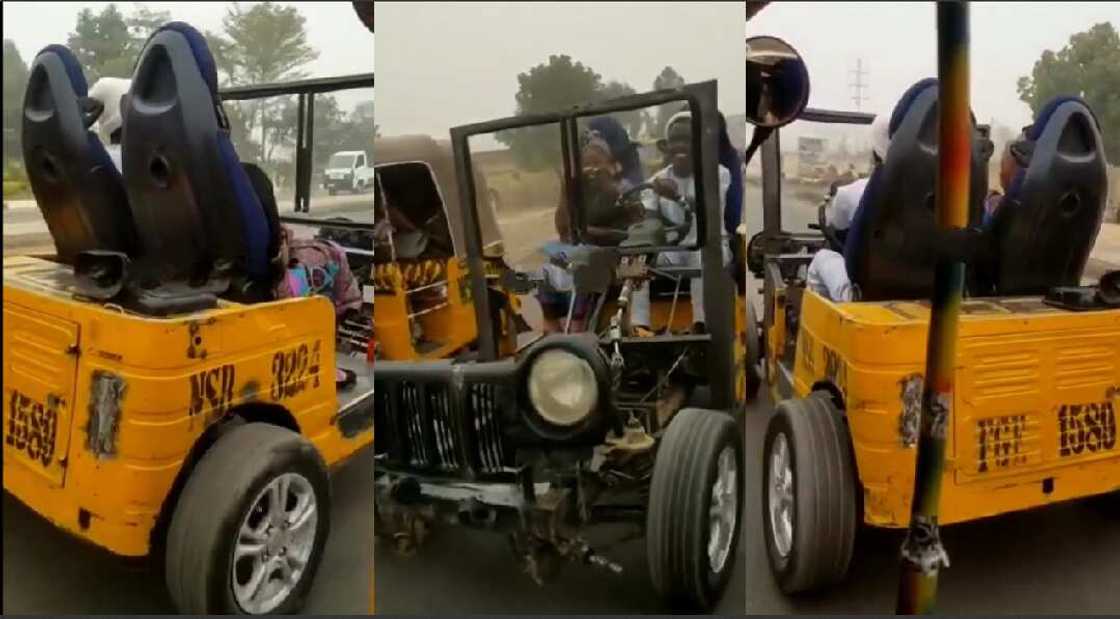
72, 66
201, 51
907, 99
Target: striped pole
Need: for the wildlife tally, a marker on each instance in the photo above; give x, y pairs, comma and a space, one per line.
922, 553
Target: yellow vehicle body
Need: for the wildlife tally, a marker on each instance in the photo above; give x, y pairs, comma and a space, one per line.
68, 363
1033, 419
434, 295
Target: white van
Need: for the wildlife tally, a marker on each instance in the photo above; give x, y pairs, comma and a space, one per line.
347, 170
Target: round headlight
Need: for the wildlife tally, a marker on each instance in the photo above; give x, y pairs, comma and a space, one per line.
562, 387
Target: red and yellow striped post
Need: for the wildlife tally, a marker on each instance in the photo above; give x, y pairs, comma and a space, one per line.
922, 553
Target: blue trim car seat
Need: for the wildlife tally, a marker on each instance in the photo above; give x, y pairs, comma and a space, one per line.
76, 185
199, 218
890, 250
1045, 227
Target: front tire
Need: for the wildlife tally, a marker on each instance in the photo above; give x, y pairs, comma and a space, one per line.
248, 532
695, 508
808, 494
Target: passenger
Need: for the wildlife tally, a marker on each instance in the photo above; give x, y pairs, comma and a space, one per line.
827, 274
729, 158
611, 166
108, 91
675, 182
1016, 155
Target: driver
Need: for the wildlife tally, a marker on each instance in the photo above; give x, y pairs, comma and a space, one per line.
827, 274
611, 166
671, 185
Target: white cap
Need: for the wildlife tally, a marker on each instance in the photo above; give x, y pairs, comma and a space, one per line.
880, 135
109, 90
684, 116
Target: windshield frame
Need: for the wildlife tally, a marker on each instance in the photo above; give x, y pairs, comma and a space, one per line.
718, 291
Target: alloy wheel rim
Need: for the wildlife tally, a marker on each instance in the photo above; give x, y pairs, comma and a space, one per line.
274, 543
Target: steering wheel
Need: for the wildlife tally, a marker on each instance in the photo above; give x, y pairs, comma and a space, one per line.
670, 228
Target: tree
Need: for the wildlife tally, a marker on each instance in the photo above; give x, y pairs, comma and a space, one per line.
102, 43
142, 23
668, 78
264, 43
1089, 67
15, 83
557, 84
634, 120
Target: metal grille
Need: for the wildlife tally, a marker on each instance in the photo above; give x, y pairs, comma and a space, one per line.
427, 426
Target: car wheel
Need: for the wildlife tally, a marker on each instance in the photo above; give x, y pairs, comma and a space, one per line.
248, 532
695, 508
808, 494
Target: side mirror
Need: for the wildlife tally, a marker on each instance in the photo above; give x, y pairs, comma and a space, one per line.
777, 82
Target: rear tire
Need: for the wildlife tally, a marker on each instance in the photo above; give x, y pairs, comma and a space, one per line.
814, 492
698, 470
226, 507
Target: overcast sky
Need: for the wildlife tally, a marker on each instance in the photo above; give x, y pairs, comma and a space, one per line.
445, 64
897, 42
344, 45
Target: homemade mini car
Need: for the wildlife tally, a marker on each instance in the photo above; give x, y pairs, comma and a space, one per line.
158, 401
1037, 372
572, 430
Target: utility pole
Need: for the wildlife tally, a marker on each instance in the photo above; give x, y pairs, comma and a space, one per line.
858, 86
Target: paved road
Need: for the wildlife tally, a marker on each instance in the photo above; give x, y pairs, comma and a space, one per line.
25, 231
1059, 560
49, 572
466, 571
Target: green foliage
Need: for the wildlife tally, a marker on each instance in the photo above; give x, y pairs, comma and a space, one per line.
634, 121
102, 43
1089, 67
15, 82
261, 44
557, 84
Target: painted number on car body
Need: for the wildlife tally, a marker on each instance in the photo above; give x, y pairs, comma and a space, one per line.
212, 390
1086, 428
33, 426
1000, 442
292, 370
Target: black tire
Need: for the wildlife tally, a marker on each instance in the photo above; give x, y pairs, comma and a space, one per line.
677, 522
216, 500
824, 511
754, 352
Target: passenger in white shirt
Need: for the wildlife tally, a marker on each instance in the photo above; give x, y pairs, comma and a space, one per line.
828, 274
109, 90
677, 180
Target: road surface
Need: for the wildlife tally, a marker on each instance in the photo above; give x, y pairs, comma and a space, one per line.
48, 572
1059, 560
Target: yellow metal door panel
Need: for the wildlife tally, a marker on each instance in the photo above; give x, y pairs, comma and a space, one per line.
40, 365
1036, 401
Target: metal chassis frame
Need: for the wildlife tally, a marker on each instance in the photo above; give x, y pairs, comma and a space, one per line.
781, 249
719, 289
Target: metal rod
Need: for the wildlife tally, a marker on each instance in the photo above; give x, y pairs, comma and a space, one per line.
922, 553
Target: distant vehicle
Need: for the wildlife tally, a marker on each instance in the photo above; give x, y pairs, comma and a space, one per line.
348, 170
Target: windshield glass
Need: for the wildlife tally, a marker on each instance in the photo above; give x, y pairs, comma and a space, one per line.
341, 161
